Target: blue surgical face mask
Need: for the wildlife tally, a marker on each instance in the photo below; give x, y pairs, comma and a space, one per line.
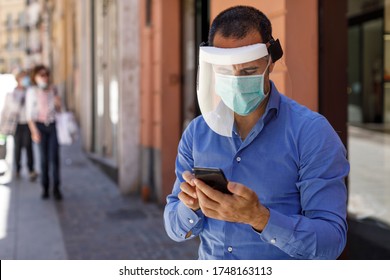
242, 94
25, 82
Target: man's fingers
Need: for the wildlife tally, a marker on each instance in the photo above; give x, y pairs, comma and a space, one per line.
209, 191
240, 190
189, 177
188, 189
186, 199
206, 202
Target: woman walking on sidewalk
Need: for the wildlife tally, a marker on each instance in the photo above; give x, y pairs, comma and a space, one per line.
42, 102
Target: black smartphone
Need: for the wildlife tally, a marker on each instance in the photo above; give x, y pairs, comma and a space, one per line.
214, 177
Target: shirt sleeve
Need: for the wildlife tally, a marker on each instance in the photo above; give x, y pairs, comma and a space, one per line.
319, 232
181, 222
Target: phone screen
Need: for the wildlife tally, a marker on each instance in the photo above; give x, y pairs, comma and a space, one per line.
214, 177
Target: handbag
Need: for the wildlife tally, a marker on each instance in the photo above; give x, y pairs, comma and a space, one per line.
67, 128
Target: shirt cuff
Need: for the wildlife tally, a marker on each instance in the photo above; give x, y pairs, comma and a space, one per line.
279, 229
190, 220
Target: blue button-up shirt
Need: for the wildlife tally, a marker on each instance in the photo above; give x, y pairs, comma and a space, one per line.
296, 164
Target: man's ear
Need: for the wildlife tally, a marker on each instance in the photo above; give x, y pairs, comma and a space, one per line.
271, 67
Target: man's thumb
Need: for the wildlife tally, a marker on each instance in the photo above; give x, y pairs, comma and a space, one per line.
240, 190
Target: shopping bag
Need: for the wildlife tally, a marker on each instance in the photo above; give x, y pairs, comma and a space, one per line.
9, 117
66, 128
8, 123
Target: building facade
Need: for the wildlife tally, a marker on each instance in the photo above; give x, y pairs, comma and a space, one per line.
134, 67
109, 93
13, 34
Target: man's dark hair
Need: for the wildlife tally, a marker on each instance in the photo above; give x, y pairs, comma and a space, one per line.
239, 21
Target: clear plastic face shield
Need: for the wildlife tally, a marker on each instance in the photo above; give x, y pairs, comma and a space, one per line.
230, 81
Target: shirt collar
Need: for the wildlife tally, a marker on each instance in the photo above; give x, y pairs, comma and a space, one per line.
274, 100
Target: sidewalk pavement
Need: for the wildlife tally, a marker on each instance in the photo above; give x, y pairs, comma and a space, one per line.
94, 221
369, 193
369, 188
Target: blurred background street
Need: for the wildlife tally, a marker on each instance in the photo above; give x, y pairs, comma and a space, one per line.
127, 71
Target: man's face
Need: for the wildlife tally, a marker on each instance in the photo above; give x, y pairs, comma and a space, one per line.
256, 67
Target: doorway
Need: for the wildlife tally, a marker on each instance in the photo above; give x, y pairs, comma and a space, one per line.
106, 86
365, 69
195, 28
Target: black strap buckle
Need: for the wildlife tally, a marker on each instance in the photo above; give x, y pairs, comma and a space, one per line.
275, 50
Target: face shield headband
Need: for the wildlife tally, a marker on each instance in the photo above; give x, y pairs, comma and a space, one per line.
235, 75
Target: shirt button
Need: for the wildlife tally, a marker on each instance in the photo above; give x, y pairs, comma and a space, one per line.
191, 221
230, 249
238, 159
273, 240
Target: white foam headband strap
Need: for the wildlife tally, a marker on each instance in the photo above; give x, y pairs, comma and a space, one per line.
231, 56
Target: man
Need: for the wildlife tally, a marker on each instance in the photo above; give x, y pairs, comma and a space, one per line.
14, 116
285, 164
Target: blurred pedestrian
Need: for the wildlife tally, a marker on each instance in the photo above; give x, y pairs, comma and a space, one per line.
42, 103
14, 118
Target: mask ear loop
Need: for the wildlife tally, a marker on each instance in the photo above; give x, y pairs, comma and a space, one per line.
265, 70
276, 52
289, 86
268, 64
283, 68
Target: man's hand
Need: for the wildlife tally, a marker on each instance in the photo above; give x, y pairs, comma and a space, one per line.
188, 193
241, 207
